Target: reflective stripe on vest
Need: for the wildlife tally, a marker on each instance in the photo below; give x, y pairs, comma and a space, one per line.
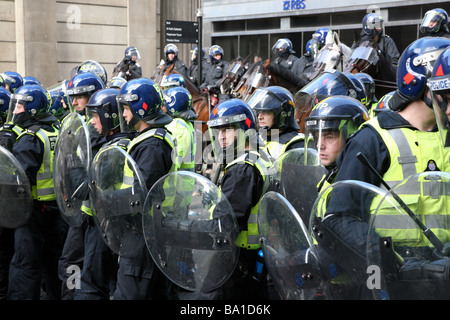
410, 152
44, 188
276, 149
249, 239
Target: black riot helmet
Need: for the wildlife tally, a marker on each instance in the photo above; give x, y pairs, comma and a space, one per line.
337, 113
277, 100
104, 103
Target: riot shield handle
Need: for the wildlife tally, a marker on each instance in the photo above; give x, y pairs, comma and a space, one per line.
426, 231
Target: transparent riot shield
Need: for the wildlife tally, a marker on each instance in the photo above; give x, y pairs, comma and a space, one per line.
289, 253
16, 201
295, 175
117, 199
339, 226
190, 230
71, 166
408, 252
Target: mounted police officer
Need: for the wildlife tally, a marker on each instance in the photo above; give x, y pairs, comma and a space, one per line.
233, 127
171, 53
373, 29
39, 243
219, 67
129, 68
306, 61
274, 107
140, 102
193, 68
435, 23
285, 56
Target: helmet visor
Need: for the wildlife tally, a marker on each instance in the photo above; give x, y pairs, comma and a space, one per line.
18, 108
324, 86
123, 100
431, 21
327, 136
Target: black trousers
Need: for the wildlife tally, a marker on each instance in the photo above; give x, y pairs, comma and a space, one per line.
38, 246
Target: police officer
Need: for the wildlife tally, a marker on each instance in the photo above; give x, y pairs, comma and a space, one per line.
6, 234
13, 80
140, 102
219, 67
435, 23
233, 127
31, 80
79, 90
441, 94
171, 53
373, 29
337, 53
274, 107
178, 104
60, 105
100, 263
193, 68
369, 89
285, 56
129, 68
397, 144
38, 244
306, 61
173, 80
331, 122
116, 83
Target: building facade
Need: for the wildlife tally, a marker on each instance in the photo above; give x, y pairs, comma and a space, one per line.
252, 27
47, 38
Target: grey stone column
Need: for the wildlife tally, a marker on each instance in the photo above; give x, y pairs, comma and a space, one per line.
36, 39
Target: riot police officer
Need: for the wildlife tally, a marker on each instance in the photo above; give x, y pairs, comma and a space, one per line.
7, 140
129, 68
38, 244
306, 61
193, 68
233, 127
373, 29
140, 102
178, 103
219, 67
435, 23
173, 80
397, 145
285, 56
13, 80
331, 122
171, 53
99, 262
274, 107
81, 88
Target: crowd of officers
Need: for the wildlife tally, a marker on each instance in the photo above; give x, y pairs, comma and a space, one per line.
36, 258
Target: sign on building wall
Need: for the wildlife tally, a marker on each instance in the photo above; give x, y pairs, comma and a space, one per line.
181, 31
